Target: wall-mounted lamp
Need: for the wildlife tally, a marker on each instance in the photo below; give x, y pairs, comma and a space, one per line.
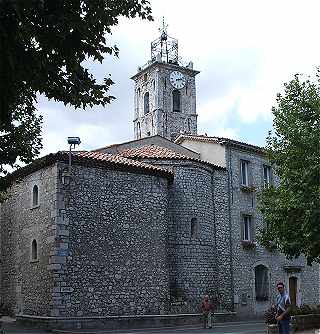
72, 141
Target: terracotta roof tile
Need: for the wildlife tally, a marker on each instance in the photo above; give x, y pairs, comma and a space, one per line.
158, 152
118, 159
89, 159
152, 151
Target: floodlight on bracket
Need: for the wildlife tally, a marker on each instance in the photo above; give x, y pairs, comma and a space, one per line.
72, 141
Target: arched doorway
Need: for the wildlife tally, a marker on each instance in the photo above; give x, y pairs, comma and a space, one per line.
293, 286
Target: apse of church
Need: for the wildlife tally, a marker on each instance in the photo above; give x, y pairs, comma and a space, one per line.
165, 93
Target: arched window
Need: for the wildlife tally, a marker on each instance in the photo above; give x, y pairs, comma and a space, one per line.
34, 250
138, 130
261, 282
194, 228
176, 100
35, 196
146, 102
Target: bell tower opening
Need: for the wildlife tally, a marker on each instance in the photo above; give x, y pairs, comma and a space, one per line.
165, 92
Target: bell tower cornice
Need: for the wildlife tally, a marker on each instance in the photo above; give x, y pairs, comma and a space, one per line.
148, 66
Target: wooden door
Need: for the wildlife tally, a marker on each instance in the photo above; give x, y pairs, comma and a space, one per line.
293, 285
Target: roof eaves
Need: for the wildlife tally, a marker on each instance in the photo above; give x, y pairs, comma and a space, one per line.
60, 156
223, 141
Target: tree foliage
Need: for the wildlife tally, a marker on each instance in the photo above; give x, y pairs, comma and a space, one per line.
291, 210
43, 48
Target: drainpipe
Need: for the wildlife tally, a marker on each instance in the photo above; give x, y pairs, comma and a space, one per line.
230, 189
216, 285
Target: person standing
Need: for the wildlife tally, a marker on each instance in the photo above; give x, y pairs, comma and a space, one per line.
283, 309
207, 309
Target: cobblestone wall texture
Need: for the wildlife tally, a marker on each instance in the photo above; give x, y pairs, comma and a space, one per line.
200, 262
26, 285
117, 261
245, 261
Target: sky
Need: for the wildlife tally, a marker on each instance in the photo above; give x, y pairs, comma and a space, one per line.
245, 51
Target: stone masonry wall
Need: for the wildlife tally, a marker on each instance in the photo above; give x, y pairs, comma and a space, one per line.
224, 289
26, 283
245, 261
200, 262
116, 253
161, 118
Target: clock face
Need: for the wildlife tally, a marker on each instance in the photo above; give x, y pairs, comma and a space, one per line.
177, 79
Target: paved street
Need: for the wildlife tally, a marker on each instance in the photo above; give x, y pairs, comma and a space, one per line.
222, 328
250, 327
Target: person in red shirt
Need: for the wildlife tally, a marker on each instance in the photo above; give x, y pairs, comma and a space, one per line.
207, 309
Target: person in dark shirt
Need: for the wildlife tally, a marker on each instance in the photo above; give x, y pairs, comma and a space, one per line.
283, 309
207, 309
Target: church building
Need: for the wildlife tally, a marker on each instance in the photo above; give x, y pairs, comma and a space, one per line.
146, 227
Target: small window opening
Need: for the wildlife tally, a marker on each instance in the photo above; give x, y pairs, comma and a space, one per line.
145, 77
146, 102
189, 125
266, 176
247, 228
244, 172
34, 250
194, 228
148, 133
176, 99
138, 130
35, 195
261, 282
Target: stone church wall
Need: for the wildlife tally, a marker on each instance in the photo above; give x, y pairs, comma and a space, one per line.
224, 288
200, 259
26, 285
117, 261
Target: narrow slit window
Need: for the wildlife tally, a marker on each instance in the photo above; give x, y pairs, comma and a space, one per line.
194, 228
138, 130
34, 250
266, 176
189, 125
176, 99
244, 172
35, 195
146, 102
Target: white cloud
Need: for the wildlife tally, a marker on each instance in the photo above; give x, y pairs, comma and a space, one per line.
245, 50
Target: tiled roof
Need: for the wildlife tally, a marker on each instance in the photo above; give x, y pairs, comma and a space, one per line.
118, 160
92, 159
152, 151
220, 140
158, 152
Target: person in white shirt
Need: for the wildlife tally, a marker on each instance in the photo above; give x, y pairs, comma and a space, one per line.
283, 309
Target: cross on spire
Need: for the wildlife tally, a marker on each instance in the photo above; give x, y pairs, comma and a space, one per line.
164, 26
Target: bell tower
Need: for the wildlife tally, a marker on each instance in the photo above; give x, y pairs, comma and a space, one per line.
165, 92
